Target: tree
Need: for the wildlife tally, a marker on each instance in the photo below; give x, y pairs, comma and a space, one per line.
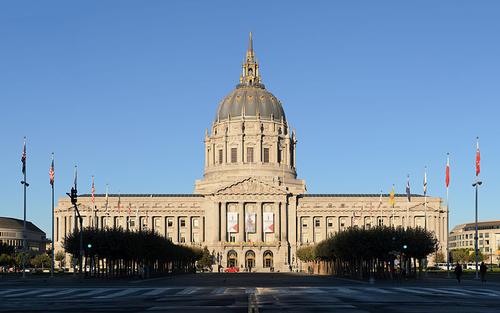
460, 255
439, 257
6, 260
41, 261
206, 260
60, 257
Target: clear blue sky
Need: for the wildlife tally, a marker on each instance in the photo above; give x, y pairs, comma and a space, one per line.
125, 89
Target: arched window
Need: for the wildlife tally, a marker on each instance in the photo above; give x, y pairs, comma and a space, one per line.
268, 259
232, 259
250, 260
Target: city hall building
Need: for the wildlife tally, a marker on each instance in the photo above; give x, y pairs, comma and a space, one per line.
250, 208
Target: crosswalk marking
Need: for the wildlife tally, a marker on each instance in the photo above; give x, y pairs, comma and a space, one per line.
61, 293
27, 293
155, 292
349, 292
95, 292
410, 290
119, 293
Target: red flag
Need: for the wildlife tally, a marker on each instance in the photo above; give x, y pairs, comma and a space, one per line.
93, 191
448, 171
478, 158
51, 171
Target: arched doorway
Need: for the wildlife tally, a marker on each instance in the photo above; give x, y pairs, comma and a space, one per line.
268, 259
232, 259
250, 260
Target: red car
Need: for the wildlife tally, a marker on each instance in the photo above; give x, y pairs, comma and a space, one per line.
232, 269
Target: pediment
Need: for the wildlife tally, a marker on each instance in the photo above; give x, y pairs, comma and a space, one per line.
250, 186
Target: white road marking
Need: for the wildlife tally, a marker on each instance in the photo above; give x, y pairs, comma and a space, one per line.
120, 293
411, 290
29, 292
96, 292
442, 290
61, 293
188, 291
10, 290
218, 291
155, 292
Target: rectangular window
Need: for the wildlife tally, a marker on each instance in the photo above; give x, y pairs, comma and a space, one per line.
183, 238
317, 222
196, 223
330, 223
266, 155
234, 155
183, 222
249, 154
170, 223
487, 235
279, 155
232, 237
220, 156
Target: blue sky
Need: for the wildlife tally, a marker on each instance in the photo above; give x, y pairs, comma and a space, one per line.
125, 89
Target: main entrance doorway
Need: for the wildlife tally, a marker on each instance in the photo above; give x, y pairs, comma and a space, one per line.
232, 259
250, 260
268, 259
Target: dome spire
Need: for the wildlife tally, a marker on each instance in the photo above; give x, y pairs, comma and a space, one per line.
250, 75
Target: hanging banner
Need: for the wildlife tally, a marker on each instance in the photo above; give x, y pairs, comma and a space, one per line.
232, 222
250, 219
268, 222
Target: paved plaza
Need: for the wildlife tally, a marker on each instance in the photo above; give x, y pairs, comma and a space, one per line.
247, 293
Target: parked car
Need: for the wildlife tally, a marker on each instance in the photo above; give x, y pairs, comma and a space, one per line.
232, 269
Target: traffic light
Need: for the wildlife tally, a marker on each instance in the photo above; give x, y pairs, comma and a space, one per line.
73, 196
89, 246
405, 247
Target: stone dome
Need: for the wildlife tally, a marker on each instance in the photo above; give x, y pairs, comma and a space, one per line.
250, 101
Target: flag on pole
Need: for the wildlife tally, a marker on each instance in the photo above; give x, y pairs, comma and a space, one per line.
408, 193
23, 157
107, 200
447, 180
76, 175
51, 171
129, 209
392, 200
425, 181
92, 190
119, 202
478, 158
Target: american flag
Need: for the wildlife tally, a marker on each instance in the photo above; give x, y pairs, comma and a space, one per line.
51, 171
23, 157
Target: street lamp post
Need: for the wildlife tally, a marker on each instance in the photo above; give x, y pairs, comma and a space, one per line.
476, 248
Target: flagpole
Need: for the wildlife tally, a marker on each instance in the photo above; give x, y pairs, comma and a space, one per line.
53, 240
25, 185
447, 216
425, 198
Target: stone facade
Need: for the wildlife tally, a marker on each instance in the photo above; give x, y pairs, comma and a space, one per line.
250, 208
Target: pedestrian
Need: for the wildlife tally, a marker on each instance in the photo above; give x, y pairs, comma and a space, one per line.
482, 270
458, 271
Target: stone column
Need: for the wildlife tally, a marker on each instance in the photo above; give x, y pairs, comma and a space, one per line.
241, 222
311, 228
202, 229
176, 233
223, 221
283, 214
258, 210
277, 221
325, 227
293, 229
189, 222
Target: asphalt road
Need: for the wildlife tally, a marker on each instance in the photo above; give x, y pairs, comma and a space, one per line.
243, 292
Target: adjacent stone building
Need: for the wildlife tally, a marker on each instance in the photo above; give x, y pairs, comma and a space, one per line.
11, 233
462, 237
250, 208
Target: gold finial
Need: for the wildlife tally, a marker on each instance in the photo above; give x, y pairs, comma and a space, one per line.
250, 75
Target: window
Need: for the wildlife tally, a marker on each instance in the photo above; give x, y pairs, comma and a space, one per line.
183, 238
249, 154
266, 155
487, 235
234, 155
170, 223
183, 222
481, 235
232, 237
304, 224
279, 155
317, 223
196, 223
330, 223
220, 156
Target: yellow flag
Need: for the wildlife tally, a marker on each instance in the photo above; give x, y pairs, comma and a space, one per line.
392, 201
